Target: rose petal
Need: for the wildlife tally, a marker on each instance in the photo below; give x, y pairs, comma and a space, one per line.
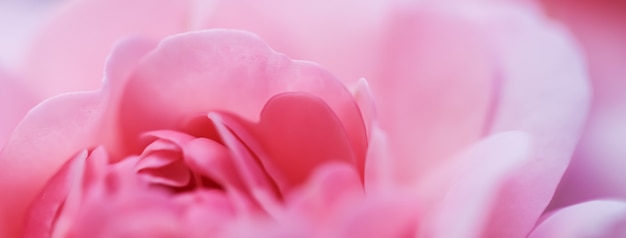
70, 51
227, 71
151, 215
389, 215
434, 87
254, 177
299, 132
378, 173
407, 56
15, 101
545, 93
213, 160
46, 209
350, 29
364, 98
473, 184
597, 169
49, 135
206, 212
329, 188
175, 174
589, 219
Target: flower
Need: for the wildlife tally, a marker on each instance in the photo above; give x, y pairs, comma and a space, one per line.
478, 109
270, 123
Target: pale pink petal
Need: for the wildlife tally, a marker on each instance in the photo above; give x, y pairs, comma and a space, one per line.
364, 98
379, 166
15, 101
589, 219
44, 141
49, 135
597, 170
120, 64
227, 71
544, 93
341, 35
465, 198
329, 188
70, 51
433, 88
387, 215
430, 73
378, 169
19, 22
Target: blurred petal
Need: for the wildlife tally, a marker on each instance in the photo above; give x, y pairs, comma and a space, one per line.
379, 216
434, 87
69, 53
328, 189
597, 169
332, 33
545, 93
15, 101
589, 219
19, 22
467, 191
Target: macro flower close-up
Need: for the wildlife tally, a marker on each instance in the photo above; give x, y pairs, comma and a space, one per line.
374, 118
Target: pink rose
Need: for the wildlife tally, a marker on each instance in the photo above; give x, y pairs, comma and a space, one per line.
478, 109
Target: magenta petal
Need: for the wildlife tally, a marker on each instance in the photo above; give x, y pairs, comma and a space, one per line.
589, 219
